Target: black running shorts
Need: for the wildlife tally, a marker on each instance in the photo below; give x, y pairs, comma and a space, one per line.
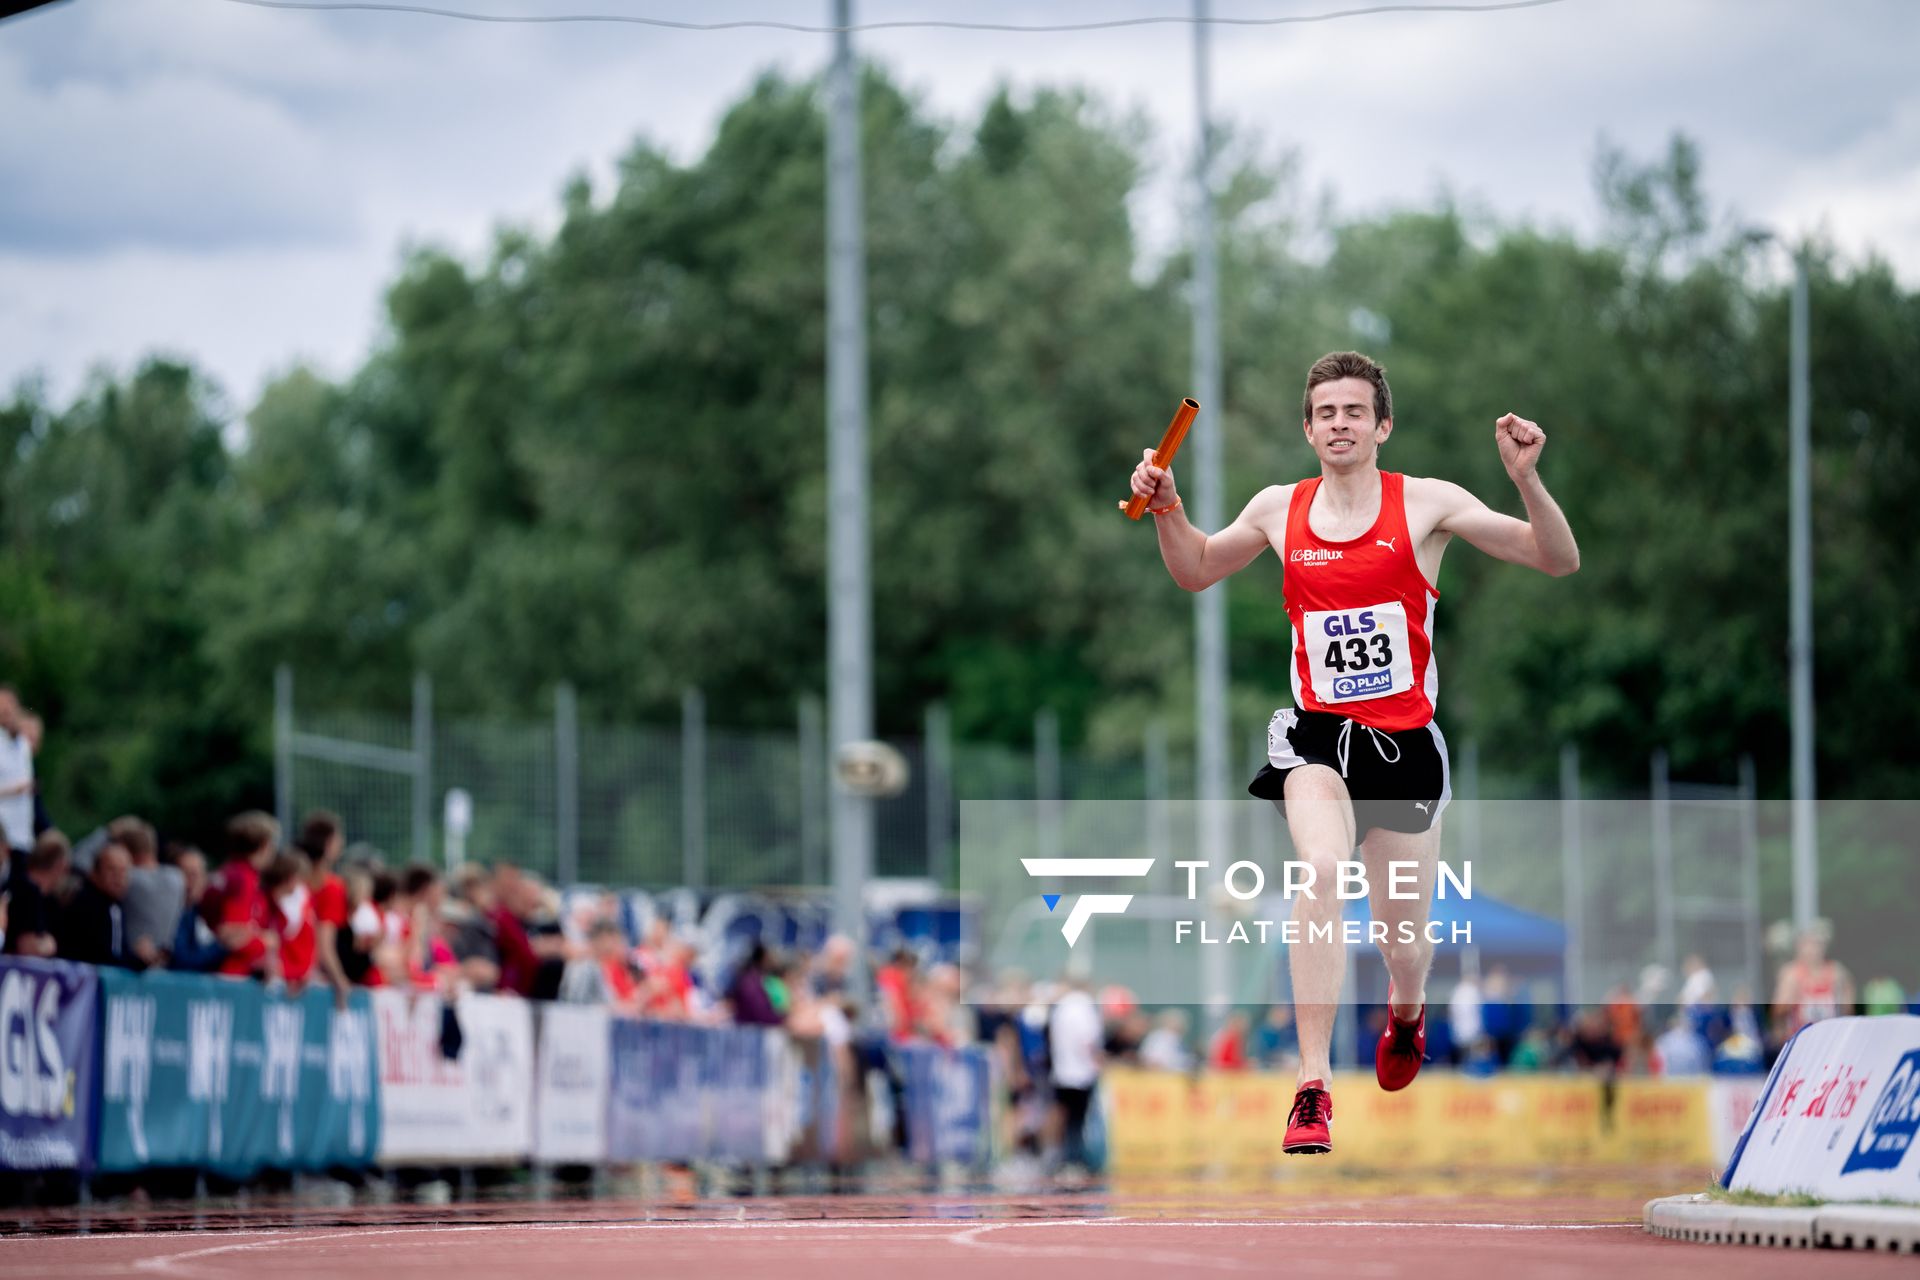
1398, 781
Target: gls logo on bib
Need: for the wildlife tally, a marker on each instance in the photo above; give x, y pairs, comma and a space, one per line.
1892, 1123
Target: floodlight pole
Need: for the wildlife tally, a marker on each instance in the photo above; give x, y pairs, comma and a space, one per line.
1806, 848
1209, 606
849, 594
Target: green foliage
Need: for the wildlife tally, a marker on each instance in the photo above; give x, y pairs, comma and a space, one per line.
597, 455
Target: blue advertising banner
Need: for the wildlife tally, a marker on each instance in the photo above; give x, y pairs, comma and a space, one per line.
216, 1074
948, 1103
47, 1013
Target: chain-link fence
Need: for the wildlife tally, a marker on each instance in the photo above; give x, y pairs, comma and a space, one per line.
1697, 870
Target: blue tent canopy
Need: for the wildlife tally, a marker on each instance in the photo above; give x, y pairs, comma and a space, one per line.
1500, 929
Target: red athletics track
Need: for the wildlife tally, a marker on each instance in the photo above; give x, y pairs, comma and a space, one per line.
1335, 1228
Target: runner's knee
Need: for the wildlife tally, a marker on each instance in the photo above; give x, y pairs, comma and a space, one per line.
1401, 952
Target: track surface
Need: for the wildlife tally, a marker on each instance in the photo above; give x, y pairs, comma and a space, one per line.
1465, 1229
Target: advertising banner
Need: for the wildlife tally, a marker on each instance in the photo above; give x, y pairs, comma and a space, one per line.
1159, 1123
1730, 1104
47, 1016
477, 1106
682, 1092
948, 1102
1839, 1115
574, 1066
809, 1123
216, 1074
656, 1109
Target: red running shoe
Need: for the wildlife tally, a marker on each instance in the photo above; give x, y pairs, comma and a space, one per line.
1402, 1048
1310, 1123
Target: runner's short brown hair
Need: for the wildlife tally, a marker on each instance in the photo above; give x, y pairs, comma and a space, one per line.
1336, 365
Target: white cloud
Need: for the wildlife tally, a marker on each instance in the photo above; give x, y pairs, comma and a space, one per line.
164, 160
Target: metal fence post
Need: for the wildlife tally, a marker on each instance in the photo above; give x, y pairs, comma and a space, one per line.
422, 768
693, 788
1750, 876
813, 790
937, 759
566, 780
1046, 779
1573, 873
1158, 786
283, 746
1663, 864
1468, 790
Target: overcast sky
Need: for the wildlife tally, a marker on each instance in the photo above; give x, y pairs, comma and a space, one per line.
235, 185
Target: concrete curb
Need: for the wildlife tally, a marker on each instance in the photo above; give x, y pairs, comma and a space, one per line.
1703, 1219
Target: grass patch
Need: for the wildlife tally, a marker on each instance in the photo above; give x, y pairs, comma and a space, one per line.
1765, 1200
1794, 1200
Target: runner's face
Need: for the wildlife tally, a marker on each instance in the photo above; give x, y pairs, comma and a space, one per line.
1342, 429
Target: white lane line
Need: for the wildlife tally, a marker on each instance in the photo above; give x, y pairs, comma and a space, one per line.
961, 1234
269, 1236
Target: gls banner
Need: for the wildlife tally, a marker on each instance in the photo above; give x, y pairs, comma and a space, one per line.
215, 1073
47, 1011
1839, 1115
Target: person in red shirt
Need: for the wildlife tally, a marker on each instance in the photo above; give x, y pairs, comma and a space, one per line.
669, 991
1228, 1052
429, 955
290, 915
897, 980
609, 943
1357, 761
322, 840
514, 894
235, 907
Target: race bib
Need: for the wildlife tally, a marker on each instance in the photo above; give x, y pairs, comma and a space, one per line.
1354, 654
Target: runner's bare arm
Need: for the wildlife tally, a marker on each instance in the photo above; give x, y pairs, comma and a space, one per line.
1542, 541
1198, 560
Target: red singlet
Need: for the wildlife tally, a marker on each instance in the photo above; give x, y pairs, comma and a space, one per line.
1362, 615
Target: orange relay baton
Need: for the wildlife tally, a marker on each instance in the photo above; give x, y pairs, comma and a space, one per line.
1169, 445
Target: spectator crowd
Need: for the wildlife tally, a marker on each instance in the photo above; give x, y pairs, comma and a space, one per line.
313, 911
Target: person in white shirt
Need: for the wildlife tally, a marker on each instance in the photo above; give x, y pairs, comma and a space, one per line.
16, 775
1697, 989
1683, 1051
1165, 1048
1075, 1038
1463, 1014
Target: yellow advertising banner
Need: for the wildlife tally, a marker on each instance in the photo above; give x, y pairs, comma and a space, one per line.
1233, 1123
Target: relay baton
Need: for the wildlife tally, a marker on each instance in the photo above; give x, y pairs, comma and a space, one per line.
1169, 445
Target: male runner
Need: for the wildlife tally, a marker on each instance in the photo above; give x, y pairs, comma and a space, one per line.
1358, 759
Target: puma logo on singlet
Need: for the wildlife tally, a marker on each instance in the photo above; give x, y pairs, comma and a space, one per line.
1423, 805
1387, 543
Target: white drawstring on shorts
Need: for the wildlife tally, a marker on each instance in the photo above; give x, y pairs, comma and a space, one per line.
1381, 741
